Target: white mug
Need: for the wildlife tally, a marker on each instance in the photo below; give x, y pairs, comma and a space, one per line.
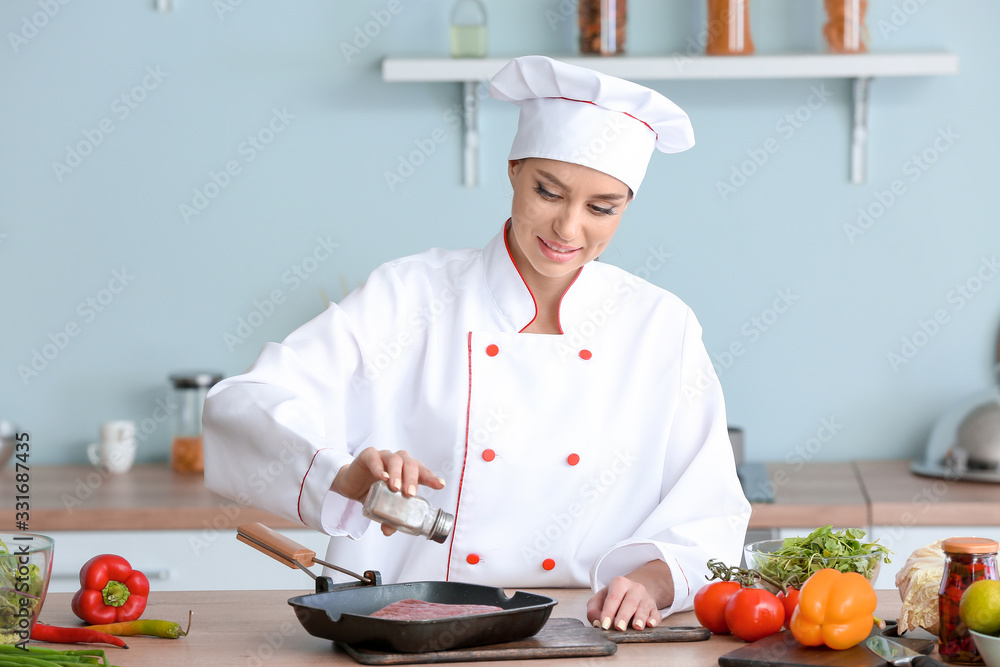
117, 431
115, 457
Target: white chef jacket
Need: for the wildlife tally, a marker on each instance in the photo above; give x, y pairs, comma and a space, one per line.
568, 459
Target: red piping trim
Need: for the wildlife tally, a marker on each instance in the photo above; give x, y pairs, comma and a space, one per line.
506, 245
533, 301
461, 479
570, 99
684, 574
302, 486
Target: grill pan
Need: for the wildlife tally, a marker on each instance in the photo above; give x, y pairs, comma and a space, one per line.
341, 612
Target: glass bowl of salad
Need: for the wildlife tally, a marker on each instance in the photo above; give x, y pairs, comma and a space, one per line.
25, 567
793, 559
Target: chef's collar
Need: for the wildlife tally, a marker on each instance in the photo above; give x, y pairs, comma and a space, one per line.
513, 298
574, 114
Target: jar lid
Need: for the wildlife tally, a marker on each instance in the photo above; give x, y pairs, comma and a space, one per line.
195, 379
970, 545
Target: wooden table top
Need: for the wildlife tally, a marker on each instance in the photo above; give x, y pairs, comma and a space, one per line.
147, 496
259, 628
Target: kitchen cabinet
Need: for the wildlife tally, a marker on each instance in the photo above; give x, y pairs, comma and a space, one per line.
182, 560
862, 68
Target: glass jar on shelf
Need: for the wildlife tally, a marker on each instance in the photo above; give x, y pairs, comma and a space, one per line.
845, 30
468, 29
189, 390
602, 27
966, 560
728, 29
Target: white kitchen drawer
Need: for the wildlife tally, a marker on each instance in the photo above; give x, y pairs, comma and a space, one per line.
183, 560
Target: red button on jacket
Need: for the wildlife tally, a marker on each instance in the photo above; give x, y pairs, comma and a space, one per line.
573, 459
585, 355
492, 350
489, 455
548, 564
472, 559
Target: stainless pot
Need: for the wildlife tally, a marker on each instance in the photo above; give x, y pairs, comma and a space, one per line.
977, 440
965, 442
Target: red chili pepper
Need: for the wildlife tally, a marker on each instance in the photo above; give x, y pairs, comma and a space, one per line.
56, 635
111, 591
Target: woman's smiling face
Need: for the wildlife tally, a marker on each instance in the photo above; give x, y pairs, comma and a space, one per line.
563, 215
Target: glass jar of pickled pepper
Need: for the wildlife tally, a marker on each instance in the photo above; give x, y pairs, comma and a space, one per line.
967, 559
189, 390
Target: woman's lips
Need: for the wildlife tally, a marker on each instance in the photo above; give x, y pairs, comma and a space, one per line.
556, 251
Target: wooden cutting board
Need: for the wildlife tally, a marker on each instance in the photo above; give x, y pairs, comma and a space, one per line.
781, 650
558, 638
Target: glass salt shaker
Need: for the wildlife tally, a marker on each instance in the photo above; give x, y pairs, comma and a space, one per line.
189, 390
411, 515
967, 559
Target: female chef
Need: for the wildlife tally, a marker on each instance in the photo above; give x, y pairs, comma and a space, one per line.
557, 406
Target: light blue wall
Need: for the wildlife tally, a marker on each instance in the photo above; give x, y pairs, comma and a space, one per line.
323, 176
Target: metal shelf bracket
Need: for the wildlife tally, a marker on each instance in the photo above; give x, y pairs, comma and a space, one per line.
859, 134
470, 134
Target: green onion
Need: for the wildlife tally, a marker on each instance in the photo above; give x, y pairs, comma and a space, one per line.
32, 656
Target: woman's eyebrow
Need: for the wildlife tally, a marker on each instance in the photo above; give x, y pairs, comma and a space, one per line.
611, 196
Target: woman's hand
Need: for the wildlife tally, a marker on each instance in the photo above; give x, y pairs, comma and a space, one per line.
637, 598
398, 469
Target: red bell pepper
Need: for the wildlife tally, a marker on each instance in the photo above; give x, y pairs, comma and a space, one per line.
111, 591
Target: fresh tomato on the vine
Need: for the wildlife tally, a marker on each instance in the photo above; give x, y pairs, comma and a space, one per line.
754, 613
789, 600
710, 605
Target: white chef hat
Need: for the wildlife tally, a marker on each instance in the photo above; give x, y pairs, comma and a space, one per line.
575, 114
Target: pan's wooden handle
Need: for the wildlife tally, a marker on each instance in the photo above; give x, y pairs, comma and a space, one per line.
275, 545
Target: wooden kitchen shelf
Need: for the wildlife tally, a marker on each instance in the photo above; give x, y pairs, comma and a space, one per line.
862, 68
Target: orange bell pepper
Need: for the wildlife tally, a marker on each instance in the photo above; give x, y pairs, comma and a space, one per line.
835, 608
